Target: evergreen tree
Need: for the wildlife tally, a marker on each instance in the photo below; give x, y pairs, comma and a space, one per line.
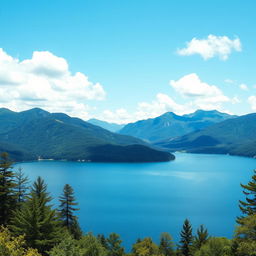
248, 207
102, 240
66, 209
7, 185
201, 237
186, 238
114, 245
166, 246
245, 236
37, 220
22, 187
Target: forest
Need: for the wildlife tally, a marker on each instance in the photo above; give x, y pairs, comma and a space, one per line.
31, 226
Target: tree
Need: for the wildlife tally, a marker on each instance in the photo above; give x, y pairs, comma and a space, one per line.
7, 185
37, 220
201, 237
248, 207
145, 248
245, 236
66, 209
166, 246
67, 247
14, 246
186, 238
22, 187
215, 246
90, 246
114, 245
102, 240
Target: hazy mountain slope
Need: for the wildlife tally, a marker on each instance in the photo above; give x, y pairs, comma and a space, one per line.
108, 126
170, 125
59, 136
233, 136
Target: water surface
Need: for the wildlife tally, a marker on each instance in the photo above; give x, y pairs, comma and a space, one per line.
145, 199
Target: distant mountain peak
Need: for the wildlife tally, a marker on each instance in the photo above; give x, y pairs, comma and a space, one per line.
170, 125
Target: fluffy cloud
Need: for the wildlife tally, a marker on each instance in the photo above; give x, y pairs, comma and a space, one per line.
191, 86
243, 87
45, 81
252, 102
162, 104
198, 95
212, 46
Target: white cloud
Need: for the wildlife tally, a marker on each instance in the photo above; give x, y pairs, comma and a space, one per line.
229, 81
243, 87
198, 95
220, 46
191, 86
160, 105
235, 100
45, 81
252, 102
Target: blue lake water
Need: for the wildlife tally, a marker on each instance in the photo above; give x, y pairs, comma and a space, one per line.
145, 199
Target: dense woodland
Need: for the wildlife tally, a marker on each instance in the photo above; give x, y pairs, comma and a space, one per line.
30, 226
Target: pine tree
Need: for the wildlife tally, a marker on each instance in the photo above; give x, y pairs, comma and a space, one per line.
22, 187
7, 185
186, 238
66, 210
201, 237
114, 245
102, 240
166, 246
248, 207
37, 220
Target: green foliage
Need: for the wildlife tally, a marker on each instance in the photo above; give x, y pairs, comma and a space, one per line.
114, 245
215, 246
14, 246
37, 220
67, 247
90, 246
7, 185
248, 207
186, 238
245, 236
66, 210
201, 237
166, 246
102, 240
21, 190
146, 247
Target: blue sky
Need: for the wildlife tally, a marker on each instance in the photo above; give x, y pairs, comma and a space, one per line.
123, 60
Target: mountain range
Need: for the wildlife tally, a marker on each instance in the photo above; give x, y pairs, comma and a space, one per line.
113, 127
236, 136
35, 133
170, 125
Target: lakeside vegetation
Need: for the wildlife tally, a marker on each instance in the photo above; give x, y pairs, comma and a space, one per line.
31, 226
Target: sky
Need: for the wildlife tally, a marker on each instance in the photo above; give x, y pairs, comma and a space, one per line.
122, 61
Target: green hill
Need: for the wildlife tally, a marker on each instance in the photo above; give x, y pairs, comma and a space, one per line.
234, 136
36, 133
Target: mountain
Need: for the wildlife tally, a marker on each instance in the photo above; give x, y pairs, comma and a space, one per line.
36, 133
234, 136
108, 126
170, 125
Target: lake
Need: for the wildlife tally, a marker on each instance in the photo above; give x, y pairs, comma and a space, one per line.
145, 199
